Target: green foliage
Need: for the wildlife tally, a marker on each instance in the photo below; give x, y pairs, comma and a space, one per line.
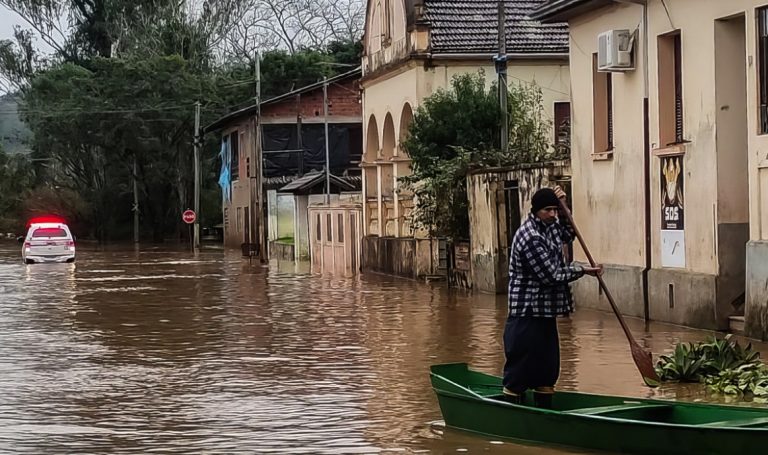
14, 135
94, 121
457, 130
64, 202
345, 52
466, 116
747, 379
723, 364
16, 180
683, 365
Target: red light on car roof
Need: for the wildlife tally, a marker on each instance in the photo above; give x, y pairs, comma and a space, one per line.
45, 219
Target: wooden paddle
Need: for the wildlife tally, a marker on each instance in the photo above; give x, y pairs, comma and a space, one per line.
642, 358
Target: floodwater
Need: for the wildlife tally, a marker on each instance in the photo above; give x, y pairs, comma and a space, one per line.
163, 351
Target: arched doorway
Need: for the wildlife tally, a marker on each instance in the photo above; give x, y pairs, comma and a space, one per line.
370, 173
387, 153
370, 156
406, 118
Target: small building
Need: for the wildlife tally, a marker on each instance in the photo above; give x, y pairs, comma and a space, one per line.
411, 49
291, 144
307, 190
669, 139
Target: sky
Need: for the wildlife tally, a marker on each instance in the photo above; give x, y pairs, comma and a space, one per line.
8, 20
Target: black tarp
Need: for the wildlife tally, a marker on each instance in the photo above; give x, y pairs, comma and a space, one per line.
345, 145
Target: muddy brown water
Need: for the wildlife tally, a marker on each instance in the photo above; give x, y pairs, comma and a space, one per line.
164, 351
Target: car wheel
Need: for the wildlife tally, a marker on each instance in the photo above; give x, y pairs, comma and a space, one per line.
69, 261
29, 261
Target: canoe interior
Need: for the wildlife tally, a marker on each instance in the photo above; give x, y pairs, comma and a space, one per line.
459, 380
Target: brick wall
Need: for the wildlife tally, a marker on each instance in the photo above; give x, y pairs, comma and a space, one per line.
343, 100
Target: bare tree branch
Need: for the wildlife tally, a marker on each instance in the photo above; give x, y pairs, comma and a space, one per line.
291, 25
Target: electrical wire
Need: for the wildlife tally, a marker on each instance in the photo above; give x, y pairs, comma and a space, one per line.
663, 2
535, 85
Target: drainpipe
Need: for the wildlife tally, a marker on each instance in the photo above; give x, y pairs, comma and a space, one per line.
646, 160
646, 167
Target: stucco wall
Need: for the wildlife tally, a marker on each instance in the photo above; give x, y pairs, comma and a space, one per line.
723, 158
607, 195
375, 23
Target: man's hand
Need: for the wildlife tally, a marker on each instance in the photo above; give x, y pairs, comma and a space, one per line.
559, 193
594, 271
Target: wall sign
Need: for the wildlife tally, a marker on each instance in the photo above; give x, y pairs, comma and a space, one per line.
673, 249
672, 213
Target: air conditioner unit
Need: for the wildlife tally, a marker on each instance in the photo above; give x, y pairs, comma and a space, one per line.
614, 51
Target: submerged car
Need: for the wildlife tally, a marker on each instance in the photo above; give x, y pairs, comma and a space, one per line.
48, 242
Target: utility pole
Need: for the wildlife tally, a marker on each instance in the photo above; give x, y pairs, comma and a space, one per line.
196, 242
501, 71
135, 204
261, 232
327, 156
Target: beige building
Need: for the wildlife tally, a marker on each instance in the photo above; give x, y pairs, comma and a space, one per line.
413, 48
670, 154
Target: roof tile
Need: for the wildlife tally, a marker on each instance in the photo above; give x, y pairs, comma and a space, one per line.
470, 26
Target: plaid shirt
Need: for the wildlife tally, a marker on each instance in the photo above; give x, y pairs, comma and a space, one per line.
538, 275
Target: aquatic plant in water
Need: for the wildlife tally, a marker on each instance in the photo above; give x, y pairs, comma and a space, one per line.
722, 364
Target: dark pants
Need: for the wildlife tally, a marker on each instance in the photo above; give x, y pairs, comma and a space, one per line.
532, 350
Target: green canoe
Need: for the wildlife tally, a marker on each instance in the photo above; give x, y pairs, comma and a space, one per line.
473, 401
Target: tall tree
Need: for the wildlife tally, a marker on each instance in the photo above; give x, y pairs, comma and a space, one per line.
16, 180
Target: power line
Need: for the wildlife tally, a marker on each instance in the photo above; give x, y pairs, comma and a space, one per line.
52, 112
536, 85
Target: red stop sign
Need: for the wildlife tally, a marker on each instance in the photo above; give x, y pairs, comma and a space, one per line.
189, 216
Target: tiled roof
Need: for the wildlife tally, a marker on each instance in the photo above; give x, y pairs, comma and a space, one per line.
560, 10
312, 179
470, 26
276, 183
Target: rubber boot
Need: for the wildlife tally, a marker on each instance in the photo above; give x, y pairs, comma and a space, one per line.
542, 397
512, 397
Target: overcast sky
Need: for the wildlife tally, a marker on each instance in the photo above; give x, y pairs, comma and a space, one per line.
9, 19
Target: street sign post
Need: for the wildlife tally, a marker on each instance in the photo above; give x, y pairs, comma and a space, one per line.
189, 216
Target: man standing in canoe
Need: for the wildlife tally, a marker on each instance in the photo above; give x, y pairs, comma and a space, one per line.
539, 292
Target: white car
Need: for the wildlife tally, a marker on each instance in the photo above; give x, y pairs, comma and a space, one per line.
48, 242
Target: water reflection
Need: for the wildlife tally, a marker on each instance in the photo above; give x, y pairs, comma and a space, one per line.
162, 350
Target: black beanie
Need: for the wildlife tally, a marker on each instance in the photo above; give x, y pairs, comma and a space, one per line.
545, 197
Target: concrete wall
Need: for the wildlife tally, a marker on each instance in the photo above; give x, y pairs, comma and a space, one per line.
406, 257
281, 251
756, 316
489, 238
389, 255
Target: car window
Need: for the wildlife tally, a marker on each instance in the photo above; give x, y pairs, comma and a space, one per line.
49, 232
